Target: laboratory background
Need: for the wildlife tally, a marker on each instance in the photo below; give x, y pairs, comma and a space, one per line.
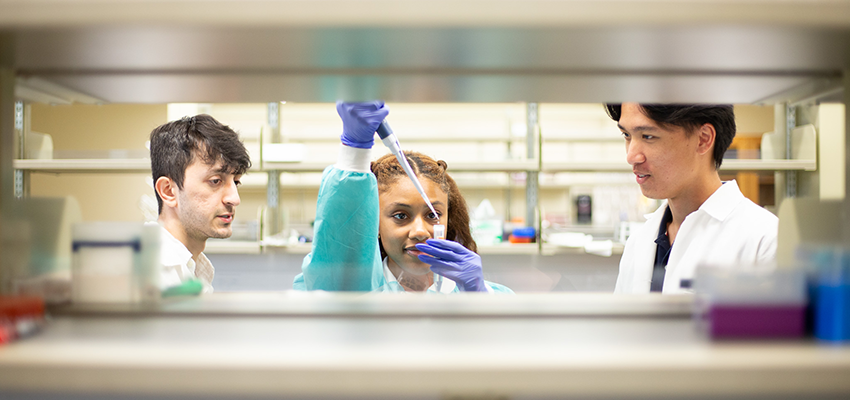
511, 94
583, 205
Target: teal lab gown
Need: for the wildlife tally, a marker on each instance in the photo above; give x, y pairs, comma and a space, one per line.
345, 254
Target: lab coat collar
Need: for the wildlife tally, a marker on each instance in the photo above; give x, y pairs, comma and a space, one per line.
174, 252
719, 205
723, 201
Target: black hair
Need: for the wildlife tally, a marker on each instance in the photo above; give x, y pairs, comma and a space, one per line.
691, 117
175, 145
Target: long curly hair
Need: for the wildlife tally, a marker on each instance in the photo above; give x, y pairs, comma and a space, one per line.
387, 171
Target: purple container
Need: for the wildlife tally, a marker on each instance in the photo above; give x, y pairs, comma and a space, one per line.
753, 321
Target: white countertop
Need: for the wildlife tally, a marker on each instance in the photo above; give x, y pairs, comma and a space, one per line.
320, 344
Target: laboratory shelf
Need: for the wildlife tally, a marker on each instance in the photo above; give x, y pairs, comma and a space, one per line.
414, 139
492, 166
769, 165
463, 139
294, 166
514, 248
143, 165
295, 248
218, 246
91, 165
122, 165
495, 166
728, 165
256, 187
260, 185
500, 249
581, 139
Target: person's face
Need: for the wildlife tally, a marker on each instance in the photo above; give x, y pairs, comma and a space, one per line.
207, 202
407, 220
664, 159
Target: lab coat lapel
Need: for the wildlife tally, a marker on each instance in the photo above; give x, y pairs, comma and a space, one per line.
644, 255
682, 257
688, 249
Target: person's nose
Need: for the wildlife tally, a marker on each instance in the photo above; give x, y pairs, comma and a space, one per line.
634, 153
420, 230
231, 195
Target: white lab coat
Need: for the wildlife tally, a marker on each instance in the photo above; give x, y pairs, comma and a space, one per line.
728, 230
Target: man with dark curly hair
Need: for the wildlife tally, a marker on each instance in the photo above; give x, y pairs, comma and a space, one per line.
196, 164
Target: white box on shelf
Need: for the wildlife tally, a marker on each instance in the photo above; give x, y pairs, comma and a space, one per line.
284, 152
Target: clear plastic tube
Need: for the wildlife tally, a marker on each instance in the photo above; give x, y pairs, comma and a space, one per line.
439, 233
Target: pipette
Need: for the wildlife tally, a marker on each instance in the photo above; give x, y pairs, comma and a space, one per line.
388, 137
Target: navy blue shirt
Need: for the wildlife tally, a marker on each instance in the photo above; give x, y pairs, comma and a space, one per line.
662, 253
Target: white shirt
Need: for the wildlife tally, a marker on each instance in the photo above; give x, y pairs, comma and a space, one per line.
392, 285
177, 265
728, 230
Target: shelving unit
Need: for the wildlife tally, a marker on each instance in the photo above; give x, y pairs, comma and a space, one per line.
58, 166
788, 53
256, 181
143, 165
503, 249
219, 246
728, 165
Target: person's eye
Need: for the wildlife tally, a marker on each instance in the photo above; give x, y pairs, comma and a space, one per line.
399, 216
626, 136
435, 216
215, 181
648, 137
237, 182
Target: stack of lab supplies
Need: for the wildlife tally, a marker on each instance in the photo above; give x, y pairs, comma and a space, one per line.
829, 291
755, 302
522, 235
114, 262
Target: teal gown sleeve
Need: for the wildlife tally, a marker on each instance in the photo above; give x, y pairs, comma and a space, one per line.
345, 254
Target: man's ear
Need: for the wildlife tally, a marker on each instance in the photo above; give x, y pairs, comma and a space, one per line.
167, 190
707, 135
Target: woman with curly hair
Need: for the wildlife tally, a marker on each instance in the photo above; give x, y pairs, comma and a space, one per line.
373, 230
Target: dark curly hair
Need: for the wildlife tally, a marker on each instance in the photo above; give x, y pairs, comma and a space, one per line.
387, 171
175, 145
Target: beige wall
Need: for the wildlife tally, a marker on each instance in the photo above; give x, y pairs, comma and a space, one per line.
93, 129
753, 120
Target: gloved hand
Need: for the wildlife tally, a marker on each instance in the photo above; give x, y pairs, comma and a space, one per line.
452, 260
360, 121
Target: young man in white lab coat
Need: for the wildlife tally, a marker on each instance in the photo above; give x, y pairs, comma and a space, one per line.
675, 151
196, 164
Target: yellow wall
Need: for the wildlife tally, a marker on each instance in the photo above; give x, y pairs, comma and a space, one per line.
97, 128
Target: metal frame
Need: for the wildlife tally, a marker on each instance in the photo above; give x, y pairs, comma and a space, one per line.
273, 213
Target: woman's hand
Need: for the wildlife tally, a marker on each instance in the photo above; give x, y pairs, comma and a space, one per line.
360, 121
452, 260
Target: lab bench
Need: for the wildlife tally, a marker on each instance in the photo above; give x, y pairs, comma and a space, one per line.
327, 345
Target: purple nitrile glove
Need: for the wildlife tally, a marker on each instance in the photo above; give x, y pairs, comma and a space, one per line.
360, 121
452, 260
